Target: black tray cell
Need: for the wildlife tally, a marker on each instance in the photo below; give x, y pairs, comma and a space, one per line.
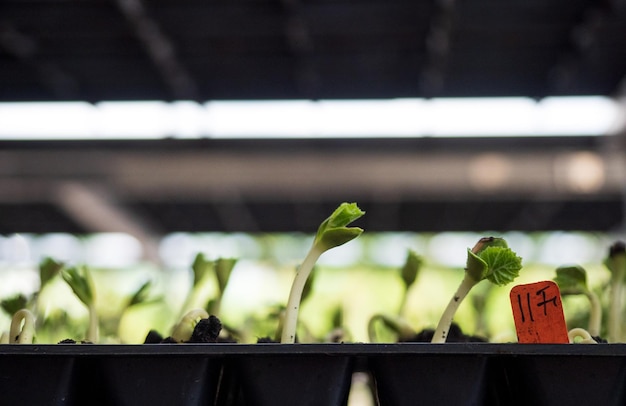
136, 380
35, 380
414, 379
302, 380
566, 380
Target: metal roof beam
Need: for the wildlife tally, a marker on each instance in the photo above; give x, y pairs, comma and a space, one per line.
160, 49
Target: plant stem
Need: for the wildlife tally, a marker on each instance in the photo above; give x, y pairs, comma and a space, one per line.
441, 332
293, 304
93, 333
615, 308
25, 334
595, 314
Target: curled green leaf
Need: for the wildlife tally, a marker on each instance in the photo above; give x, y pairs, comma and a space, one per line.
492, 259
48, 269
411, 268
79, 279
12, 304
223, 269
201, 267
571, 279
333, 231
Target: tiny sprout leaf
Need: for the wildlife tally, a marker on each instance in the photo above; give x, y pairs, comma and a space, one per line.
333, 231
141, 295
79, 280
13, 304
411, 268
201, 268
48, 269
339, 236
475, 266
571, 279
223, 269
616, 260
503, 264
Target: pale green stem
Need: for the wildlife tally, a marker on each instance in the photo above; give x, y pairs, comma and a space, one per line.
93, 333
595, 314
441, 332
615, 308
22, 334
293, 304
4, 338
371, 327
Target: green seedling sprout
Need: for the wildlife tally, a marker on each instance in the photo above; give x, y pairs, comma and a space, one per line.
203, 269
330, 234
79, 279
616, 263
572, 280
409, 272
183, 330
22, 327
490, 259
402, 329
580, 336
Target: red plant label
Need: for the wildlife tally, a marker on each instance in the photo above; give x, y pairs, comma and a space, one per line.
538, 313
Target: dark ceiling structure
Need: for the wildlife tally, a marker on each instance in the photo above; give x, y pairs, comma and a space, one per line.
97, 50
309, 49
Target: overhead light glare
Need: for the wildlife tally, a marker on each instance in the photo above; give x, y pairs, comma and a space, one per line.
452, 117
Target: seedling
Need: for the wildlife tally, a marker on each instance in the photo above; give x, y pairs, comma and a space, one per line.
22, 328
572, 280
331, 233
79, 279
490, 259
409, 272
616, 263
402, 329
183, 330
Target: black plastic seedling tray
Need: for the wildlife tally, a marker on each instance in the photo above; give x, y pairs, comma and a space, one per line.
313, 374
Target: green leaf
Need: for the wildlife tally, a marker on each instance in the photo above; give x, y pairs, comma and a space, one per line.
201, 268
411, 268
13, 304
141, 295
503, 264
616, 260
333, 231
80, 281
571, 279
48, 269
223, 269
475, 266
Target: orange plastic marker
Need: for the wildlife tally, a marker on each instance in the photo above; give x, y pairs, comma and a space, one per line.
538, 313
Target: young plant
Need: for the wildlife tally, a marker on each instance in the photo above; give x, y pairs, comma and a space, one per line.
490, 259
409, 272
616, 263
572, 280
331, 233
79, 279
183, 330
22, 333
402, 329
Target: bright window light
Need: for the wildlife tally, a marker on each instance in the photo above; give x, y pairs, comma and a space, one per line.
512, 116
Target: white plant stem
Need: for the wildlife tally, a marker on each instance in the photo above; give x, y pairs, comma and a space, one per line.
615, 309
93, 332
441, 332
595, 314
22, 334
295, 295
